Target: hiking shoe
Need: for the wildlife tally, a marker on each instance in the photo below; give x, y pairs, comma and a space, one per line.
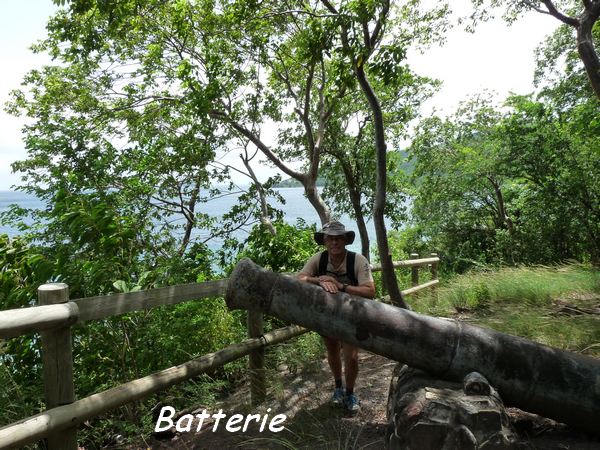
338, 397
351, 403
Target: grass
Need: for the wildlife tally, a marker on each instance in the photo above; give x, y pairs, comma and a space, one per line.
522, 301
317, 429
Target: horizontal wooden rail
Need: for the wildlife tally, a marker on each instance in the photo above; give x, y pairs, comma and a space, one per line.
16, 322
36, 427
412, 290
49, 318
21, 321
408, 263
417, 288
101, 307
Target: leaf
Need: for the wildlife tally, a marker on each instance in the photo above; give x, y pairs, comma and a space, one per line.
121, 286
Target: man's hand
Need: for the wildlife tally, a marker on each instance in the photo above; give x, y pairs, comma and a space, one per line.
330, 284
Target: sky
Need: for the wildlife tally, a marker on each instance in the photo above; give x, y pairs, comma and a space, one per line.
497, 57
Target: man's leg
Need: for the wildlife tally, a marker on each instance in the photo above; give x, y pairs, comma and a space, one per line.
350, 364
351, 369
333, 357
335, 364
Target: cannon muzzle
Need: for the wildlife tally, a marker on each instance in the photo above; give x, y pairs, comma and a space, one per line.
554, 383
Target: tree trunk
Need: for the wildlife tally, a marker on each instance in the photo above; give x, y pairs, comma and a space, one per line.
264, 212
585, 43
362, 230
355, 196
587, 53
190, 217
502, 215
389, 275
315, 199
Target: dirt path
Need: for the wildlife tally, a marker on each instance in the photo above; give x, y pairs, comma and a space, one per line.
312, 423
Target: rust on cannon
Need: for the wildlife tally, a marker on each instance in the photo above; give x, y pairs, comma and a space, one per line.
554, 383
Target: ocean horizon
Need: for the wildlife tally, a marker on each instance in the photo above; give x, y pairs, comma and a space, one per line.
296, 207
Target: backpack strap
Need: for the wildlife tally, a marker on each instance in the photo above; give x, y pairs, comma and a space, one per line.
350, 258
323, 263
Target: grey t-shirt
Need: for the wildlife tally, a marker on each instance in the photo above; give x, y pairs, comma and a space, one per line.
362, 268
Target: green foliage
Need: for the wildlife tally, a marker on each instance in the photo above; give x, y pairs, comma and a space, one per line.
286, 251
18, 399
517, 186
407, 241
97, 250
303, 353
520, 286
22, 270
123, 348
92, 242
522, 302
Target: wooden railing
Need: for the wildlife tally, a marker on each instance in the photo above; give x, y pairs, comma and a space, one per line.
414, 263
56, 315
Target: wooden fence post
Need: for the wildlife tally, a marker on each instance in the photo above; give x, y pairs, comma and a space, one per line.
256, 362
414, 270
434, 267
57, 361
434, 272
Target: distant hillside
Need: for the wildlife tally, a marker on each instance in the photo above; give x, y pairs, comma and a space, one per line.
291, 182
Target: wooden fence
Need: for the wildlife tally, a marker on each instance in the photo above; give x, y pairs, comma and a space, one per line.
56, 314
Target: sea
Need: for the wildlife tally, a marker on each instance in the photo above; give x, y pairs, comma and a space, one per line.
296, 206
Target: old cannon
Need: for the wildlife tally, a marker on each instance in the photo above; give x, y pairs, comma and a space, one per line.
547, 381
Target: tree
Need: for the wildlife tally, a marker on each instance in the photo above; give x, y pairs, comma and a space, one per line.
512, 186
350, 160
462, 188
240, 63
361, 28
558, 154
118, 115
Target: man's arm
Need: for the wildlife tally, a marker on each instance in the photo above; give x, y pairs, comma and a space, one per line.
332, 285
366, 290
308, 278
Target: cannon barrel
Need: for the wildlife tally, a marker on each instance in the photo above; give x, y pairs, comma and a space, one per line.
554, 383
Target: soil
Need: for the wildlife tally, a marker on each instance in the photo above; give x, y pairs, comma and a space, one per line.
312, 423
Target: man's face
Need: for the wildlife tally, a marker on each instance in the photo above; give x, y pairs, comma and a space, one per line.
336, 245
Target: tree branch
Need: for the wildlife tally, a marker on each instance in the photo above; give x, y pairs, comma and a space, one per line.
305, 112
264, 217
330, 7
285, 79
143, 101
259, 144
379, 25
552, 10
366, 37
294, 12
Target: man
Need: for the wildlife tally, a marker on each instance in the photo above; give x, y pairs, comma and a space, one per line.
333, 271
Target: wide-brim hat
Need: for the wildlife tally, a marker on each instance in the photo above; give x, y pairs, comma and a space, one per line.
334, 228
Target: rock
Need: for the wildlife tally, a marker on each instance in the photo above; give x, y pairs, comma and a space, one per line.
425, 413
